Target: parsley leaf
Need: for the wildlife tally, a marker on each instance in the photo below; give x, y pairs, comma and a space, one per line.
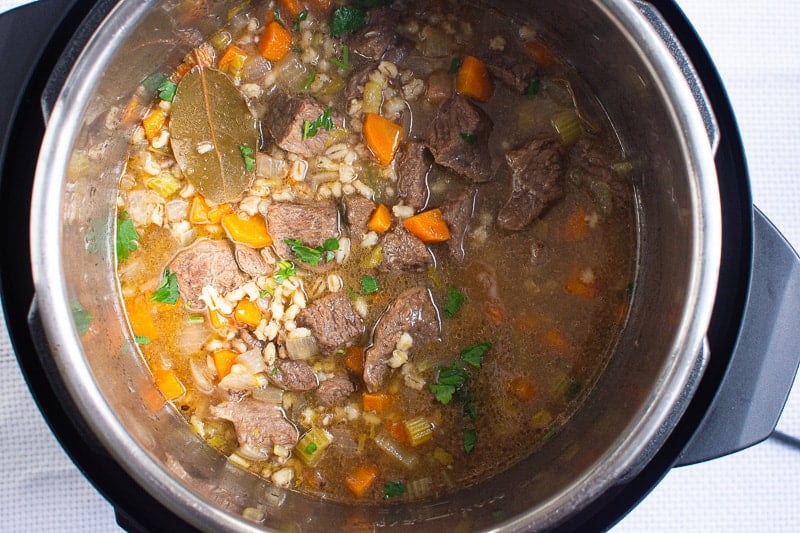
392, 489
453, 302
346, 19
369, 285
469, 440
142, 339
323, 121
443, 393
126, 237
167, 292
469, 138
453, 376
533, 88
313, 256
247, 155
166, 90
303, 15
471, 409
473, 355
286, 269
344, 63
311, 448
455, 64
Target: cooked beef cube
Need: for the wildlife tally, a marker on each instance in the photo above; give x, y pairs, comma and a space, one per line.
412, 312
289, 374
333, 321
593, 169
537, 181
511, 67
360, 76
259, 426
285, 118
250, 261
357, 210
457, 212
311, 224
250, 340
404, 252
439, 87
206, 263
458, 138
335, 390
399, 51
413, 164
377, 35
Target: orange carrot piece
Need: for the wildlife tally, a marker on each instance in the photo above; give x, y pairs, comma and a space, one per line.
521, 388
292, 7
232, 60
576, 228
354, 359
248, 230
361, 479
397, 430
382, 136
198, 212
223, 361
168, 383
540, 53
494, 311
215, 214
473, 80
428, 226
578, 287
276, 41
153, 123
141, 318
381, 219
247, 312
374, 401
556, 341
218, 320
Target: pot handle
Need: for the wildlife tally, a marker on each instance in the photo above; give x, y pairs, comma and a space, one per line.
758, 380
658, 23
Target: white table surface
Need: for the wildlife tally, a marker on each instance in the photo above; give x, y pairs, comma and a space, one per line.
755, 46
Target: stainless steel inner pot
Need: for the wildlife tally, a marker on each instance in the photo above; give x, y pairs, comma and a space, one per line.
625, 418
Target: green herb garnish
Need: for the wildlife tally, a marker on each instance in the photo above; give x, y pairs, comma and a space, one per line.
473, 355
469, 138
166, 90
153, 81
393, 489
142, 339
313, 256
309, 80
248, 157
297, 50
369, 285
127, 237
469, 440
533, 88
344, 63
286, 269
196, 319
323, 121
265, 292
471, 409
442, 393
303, 15
453, 302
455, 64
451, 380
310, 449
346, 19
167, 291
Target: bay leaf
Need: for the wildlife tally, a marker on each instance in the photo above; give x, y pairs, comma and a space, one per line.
210, 122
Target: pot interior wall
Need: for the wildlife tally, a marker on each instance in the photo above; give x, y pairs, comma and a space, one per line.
155, 443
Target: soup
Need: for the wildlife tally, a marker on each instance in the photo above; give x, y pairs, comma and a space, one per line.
375, 251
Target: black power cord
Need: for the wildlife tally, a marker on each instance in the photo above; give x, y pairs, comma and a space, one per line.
786, 440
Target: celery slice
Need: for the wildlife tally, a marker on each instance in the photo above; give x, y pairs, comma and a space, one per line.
311, 445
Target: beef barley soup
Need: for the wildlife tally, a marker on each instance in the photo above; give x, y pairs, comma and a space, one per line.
371, 251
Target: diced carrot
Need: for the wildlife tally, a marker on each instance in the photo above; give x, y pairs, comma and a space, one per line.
428, 226
232, 60
248, 230
556, 341
218, 320
141, 318
576, 228
540, 53
381, 219
223, 361
320, 5
153, 123
473, 80
521, 388
382, 136
354, 359
168, 383
291, 7
577, 286
361, 479
198, 212
247, 312
276, 41
397, 430
215, 214
494, 311
374, 401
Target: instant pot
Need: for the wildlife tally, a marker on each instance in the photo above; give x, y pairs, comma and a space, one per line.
732, 386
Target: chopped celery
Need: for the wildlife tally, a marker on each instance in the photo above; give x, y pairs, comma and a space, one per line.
394, 449
374, 258
420, 430
568, 126
311, 445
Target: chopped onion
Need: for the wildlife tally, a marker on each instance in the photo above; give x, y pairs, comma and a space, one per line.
191, 337
251, 454
255, 68
300, 344
269, 167
394, 449
271, 395
252, 361
200, 374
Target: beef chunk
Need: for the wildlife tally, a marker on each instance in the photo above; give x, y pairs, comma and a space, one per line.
311, 224
333, 321
454, 119
412, 312
404, 252
285, 118
413, 164
289, 374
511, 67
398, 52
250, 261
358, 210
335, 390
457, 212
439, 87
206, 263
259, 426
536, 182
376, 36
592, 168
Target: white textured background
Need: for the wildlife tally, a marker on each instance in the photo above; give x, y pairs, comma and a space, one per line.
756, 48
